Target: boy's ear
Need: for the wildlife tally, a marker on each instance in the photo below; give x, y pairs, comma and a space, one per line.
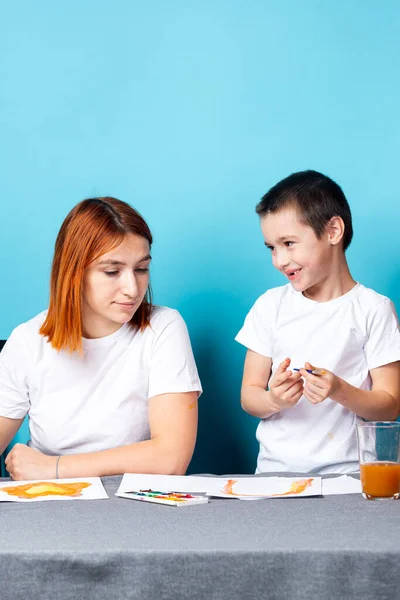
335, 229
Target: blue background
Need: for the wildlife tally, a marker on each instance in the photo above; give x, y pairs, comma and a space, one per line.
190, 111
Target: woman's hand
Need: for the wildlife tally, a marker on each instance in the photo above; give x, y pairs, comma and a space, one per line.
23, 463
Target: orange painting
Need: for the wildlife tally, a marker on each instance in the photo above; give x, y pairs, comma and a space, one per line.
46, 488
297, 487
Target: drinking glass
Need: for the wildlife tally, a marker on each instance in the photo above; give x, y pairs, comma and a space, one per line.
379, 456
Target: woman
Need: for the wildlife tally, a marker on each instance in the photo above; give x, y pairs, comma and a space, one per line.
109, 381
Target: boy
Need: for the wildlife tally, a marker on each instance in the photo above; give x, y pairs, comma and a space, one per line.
322, 320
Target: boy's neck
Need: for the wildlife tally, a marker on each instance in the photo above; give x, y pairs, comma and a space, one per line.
337, 283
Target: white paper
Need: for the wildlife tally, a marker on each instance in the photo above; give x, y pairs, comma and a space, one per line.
341, 485
164, 483
73, 487
244, 488
264, 487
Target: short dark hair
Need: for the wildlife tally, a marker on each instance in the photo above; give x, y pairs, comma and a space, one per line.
317, 198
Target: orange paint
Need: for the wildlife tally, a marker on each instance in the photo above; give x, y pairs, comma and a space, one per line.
228, 487
46, 488
380, 479
297, 487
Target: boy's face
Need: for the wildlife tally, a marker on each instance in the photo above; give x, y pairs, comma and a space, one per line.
296, 251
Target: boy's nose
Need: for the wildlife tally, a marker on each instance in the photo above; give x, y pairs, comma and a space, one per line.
281, 261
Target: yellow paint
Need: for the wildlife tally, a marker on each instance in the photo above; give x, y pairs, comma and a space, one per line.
38, 490
46, 488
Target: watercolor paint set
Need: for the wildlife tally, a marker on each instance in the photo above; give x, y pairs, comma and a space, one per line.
168, 498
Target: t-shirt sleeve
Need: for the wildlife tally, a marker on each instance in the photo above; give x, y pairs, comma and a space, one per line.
172, 365
383, 343
14, 361
256, 333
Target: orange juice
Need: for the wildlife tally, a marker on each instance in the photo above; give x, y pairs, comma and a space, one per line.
380, 479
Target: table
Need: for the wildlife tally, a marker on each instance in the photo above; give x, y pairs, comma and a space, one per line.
302, 548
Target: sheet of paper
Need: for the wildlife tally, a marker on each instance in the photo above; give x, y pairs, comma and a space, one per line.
164, 483
341, 485
88, 488
244, 488
264, 487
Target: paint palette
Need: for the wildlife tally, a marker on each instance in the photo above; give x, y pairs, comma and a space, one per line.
168, 498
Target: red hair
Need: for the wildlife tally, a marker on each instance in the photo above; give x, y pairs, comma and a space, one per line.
92, 228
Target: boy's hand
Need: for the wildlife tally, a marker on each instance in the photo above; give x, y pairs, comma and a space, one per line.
318, 387
286, 388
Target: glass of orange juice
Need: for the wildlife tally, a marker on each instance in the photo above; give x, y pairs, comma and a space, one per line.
379, 455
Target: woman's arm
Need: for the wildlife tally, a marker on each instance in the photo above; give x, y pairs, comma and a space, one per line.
173, 427
8, 428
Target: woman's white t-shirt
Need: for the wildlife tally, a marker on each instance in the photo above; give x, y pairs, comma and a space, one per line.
99, 400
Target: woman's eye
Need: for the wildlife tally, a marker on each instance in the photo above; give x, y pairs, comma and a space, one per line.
144, 270
111, 273
289, 243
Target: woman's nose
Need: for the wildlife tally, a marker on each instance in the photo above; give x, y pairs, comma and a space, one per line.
129, 285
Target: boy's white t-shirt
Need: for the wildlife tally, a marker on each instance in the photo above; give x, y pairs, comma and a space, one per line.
349, 336
99, 400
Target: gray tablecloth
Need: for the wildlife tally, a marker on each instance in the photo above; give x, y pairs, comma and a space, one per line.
332, 547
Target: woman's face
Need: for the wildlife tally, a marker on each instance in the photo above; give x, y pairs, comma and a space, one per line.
114, 286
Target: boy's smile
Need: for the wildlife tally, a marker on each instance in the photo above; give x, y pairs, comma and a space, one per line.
308, 262
292, 275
